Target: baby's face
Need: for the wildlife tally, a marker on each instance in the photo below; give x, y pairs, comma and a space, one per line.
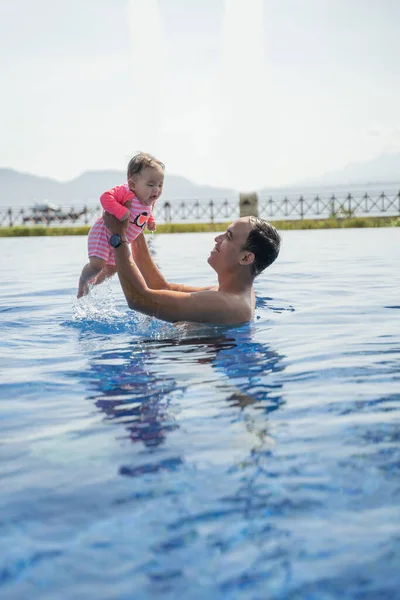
147, 185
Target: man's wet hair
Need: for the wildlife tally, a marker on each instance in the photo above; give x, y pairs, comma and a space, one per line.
264, 242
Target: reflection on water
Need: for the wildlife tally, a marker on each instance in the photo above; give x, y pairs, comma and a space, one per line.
130, 394
144, 386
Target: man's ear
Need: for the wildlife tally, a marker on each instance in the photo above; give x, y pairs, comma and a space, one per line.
247, 258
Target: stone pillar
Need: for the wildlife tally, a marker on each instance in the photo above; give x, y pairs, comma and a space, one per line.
248, 204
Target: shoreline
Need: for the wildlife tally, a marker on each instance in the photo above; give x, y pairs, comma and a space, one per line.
297, 224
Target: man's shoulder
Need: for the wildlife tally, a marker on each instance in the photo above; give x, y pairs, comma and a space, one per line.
229, 306
239, 295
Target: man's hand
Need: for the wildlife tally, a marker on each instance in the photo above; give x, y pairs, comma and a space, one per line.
114, 225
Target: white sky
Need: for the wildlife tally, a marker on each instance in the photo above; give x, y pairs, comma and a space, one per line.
241, 93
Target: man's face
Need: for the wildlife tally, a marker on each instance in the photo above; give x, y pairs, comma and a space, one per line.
227, 252
147, 185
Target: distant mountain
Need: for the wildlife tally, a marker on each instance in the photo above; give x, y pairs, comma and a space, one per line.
21, 189
381, 174
24, 190
381, 169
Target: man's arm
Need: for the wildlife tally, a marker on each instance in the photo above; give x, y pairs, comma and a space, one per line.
146, 265
153, 277
170, 305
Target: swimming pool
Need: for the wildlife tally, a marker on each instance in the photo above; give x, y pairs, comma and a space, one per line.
142, 460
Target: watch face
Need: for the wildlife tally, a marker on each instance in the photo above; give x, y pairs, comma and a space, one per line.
115, 240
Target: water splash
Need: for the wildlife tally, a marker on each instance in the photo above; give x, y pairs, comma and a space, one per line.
98, 305
98, 313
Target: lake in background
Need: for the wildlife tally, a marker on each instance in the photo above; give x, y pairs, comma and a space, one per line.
140, 459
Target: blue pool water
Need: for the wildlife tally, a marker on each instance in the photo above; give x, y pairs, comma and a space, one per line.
144, 460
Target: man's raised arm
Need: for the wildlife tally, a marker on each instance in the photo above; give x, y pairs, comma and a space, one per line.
152, 274
170, 305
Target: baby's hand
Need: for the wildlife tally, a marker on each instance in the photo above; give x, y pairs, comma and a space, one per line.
151, 225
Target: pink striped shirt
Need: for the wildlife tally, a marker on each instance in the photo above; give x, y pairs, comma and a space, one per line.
113, 202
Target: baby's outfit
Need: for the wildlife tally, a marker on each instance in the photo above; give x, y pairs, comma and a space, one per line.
113, 202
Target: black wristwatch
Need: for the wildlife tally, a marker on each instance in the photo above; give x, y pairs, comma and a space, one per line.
116, 240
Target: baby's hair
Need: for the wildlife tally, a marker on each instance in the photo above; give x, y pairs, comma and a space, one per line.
142, 161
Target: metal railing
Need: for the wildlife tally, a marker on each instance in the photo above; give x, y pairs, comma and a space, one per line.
223, 209
10, 217
330, 206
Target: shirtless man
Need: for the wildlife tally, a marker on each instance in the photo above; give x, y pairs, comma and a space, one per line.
247, 247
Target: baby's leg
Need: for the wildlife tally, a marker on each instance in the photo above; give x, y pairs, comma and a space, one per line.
108, 271
89, 272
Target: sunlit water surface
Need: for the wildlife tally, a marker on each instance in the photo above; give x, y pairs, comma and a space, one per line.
143, 460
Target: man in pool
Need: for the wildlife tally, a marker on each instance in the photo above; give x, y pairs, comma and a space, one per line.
242, 252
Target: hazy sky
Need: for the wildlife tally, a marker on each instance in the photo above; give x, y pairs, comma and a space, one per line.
242, 93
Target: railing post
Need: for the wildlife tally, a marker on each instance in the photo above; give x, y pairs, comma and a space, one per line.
301, 207
182, 207
211, 204
270, 213
398, 197
333, 214
10, 220
167, 212
248, 204
317, 203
